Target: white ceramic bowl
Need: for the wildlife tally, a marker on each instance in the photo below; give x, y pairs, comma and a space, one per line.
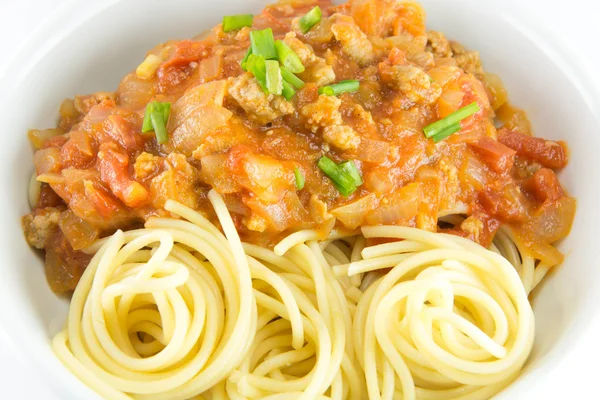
79, 52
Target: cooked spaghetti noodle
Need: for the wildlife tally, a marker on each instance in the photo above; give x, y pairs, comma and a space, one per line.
162, 312
178, 310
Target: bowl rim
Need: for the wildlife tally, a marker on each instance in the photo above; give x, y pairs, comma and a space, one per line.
72, 14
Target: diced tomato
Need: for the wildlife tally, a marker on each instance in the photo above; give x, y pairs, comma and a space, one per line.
56, 142
397, 56
114, 172
119, 129
505, 204
104, 202
187, 51
79, 151
544, 185
368, 16
411, 19
177, 68
549, 153
497, 156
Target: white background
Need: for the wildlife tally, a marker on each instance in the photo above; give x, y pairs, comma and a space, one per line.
577, 24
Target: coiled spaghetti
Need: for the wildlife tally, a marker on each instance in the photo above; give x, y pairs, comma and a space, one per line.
451, 320
178, 310
165, 312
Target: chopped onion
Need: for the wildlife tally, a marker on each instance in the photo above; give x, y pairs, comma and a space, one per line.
474, 172
51, 178
148, 67
353, 214
546, 253
374, 151
210, 68
495, 89
78, 232
38, 137
35, 189
401, 207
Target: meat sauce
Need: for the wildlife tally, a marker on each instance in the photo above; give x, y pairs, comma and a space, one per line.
101, 173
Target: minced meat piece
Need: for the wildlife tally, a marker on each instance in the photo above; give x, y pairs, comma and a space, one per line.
259, 106
323, 112
38, 225
438, 44
341, 136
317, 69
412, 81
354, 42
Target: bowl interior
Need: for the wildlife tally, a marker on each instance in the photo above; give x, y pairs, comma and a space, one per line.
81, 55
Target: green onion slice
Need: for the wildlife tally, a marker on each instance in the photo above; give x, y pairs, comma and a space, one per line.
343, 181
299, 178
245, 59
446, 132
274, 79
156, 117
291, 78
288, 90
263, 44
457, 116
235, 22
160, 129
310, 19
288, 58
341, 87
350, 168
257, 66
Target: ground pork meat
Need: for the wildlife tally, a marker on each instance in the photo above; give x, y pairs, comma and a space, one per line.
38, 225
412, 81
320, 73
317, 69
323, 112
259, 106
471, 63
302, 50
438, 44
341, 136
83, 104
467, 60
354, 42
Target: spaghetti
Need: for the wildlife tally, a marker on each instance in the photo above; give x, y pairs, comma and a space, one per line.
162, 312
178, 310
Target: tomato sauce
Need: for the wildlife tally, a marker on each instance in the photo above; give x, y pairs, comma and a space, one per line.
225, 133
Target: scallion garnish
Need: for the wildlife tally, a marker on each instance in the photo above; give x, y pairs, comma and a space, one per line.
263, 43
245, 59
439, 127
310, 19
235, 22
288, 58
342, 180
341, 87
350, 168
156, 117
274, 79
446, 132
291, 78
288, 90
299, 178
256, 65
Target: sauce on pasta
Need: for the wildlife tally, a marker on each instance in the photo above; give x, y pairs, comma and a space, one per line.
99, 172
